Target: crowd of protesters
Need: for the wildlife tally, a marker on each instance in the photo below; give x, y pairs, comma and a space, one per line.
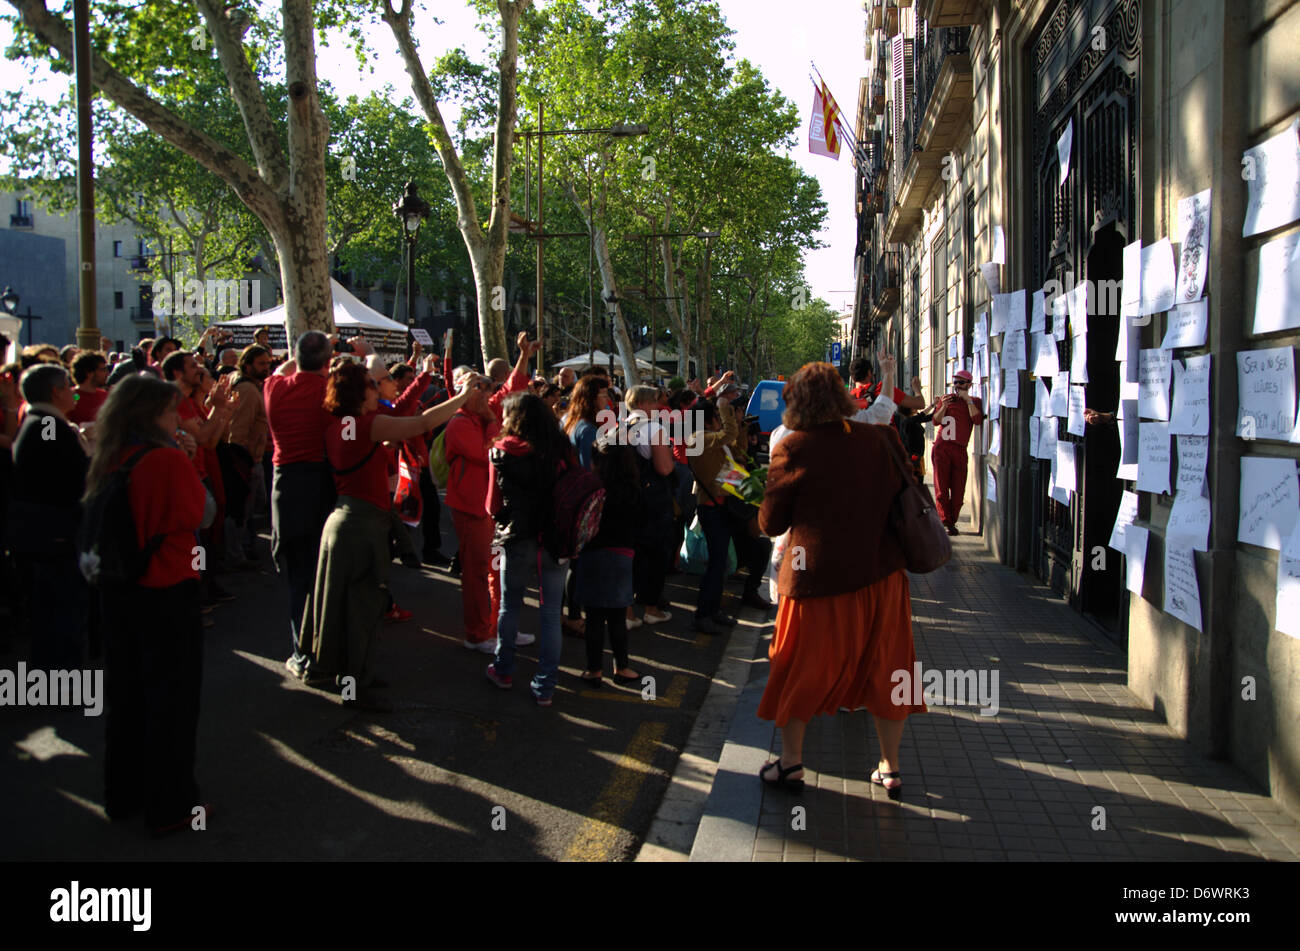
344, 455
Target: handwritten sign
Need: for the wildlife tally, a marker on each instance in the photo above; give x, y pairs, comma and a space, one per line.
994, 405
991, 489
422, 336
1045, 356
1270, 501
1193, 255
1272, 173
1193, 454
1013, 351
1266, 392
999, 246
1135, 555
1078, 403
1153, 384
1187, 325
1035, 434
1131, 288
1288, 586
1158, 278
1182, 592
1190, 414
1047, 441
1129, 441
1189, 521
1127, 515
1011, 389
1066, 475
1077, 304
1001, 310
1060, 401
1277, 293
1016, 310
1038, 313
995, 439
1042, 400
982, 330
989, 270
1060, 314
1079, 359
1153, 457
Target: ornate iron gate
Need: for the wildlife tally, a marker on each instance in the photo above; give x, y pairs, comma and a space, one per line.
1084, 64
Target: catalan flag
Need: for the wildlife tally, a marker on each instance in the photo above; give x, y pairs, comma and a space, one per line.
831, 110
822, 139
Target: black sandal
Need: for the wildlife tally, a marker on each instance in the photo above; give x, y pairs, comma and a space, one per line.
626, 681
894, 792
781, 782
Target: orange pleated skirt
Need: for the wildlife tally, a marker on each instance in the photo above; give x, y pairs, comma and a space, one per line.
841, 651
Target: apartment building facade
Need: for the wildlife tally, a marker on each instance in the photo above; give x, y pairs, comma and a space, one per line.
962, 115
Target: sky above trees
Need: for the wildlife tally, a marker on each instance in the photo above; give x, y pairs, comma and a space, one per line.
778, 36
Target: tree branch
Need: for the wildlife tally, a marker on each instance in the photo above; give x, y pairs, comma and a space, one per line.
242, 178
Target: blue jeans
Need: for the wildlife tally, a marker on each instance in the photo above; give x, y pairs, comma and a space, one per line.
524, 562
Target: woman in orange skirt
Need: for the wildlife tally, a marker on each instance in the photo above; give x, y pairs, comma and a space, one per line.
844, 625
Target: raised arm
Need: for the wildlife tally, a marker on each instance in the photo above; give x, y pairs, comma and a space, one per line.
398, 428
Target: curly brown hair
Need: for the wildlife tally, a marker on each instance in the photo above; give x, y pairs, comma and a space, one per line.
815, 395
345, 393
583, 403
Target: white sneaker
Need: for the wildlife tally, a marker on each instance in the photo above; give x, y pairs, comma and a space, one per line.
523, 640
634, 623
483, 647
657, 618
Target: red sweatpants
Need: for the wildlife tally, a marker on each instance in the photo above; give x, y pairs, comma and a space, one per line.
480, 586
949, 459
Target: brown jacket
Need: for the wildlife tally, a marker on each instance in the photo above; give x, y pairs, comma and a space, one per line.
832, 487
708, 463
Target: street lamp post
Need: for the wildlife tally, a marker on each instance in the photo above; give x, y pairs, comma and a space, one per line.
619, 130
411, 211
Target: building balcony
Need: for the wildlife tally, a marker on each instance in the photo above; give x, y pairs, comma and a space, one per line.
945, 90
21, 221
951, 12
142, 315
884, 16
886, 285
934, 124
878, 94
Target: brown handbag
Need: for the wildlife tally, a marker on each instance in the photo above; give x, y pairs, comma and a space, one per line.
924, 540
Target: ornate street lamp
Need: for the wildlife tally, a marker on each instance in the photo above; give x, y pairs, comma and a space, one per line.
411, 211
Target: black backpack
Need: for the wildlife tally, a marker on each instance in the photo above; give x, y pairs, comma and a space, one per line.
107, 549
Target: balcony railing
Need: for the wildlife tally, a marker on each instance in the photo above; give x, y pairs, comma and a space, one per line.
142, 315
886, 284
878, 94
21, 221
938, 46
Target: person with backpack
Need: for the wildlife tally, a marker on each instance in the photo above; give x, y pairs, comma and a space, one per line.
527, 462
144, 505
657, 474
604, 569
466, 441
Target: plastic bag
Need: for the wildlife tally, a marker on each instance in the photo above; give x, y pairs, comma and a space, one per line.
695, 551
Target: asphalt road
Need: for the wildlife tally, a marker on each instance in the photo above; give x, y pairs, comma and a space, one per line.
457, 769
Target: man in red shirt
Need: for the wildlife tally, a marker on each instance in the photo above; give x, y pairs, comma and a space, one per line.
90, 371
302, 487
469, 435
955, 415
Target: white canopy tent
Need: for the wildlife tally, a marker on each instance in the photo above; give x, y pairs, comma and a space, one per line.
599, 358
351, 317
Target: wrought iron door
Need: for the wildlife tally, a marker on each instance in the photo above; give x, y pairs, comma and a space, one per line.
1084, 64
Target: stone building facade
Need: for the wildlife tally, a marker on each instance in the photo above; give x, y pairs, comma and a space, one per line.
959, 116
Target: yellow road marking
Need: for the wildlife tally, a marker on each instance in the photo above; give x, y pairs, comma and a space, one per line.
594, 841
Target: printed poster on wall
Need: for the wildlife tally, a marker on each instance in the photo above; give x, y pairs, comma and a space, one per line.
1277, 294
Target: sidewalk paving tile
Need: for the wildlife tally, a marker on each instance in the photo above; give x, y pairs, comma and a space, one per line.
1025, 783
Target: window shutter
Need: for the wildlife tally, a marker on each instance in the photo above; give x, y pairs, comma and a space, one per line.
897, 75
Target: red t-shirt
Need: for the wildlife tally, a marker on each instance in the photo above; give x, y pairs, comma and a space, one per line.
370, 482
954, 407
87, 407
189, 409
296, 415
166, 499
898, 396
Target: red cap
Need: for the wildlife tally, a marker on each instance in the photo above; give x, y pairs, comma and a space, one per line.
963, 375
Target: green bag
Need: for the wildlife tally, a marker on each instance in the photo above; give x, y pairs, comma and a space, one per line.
439, 470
